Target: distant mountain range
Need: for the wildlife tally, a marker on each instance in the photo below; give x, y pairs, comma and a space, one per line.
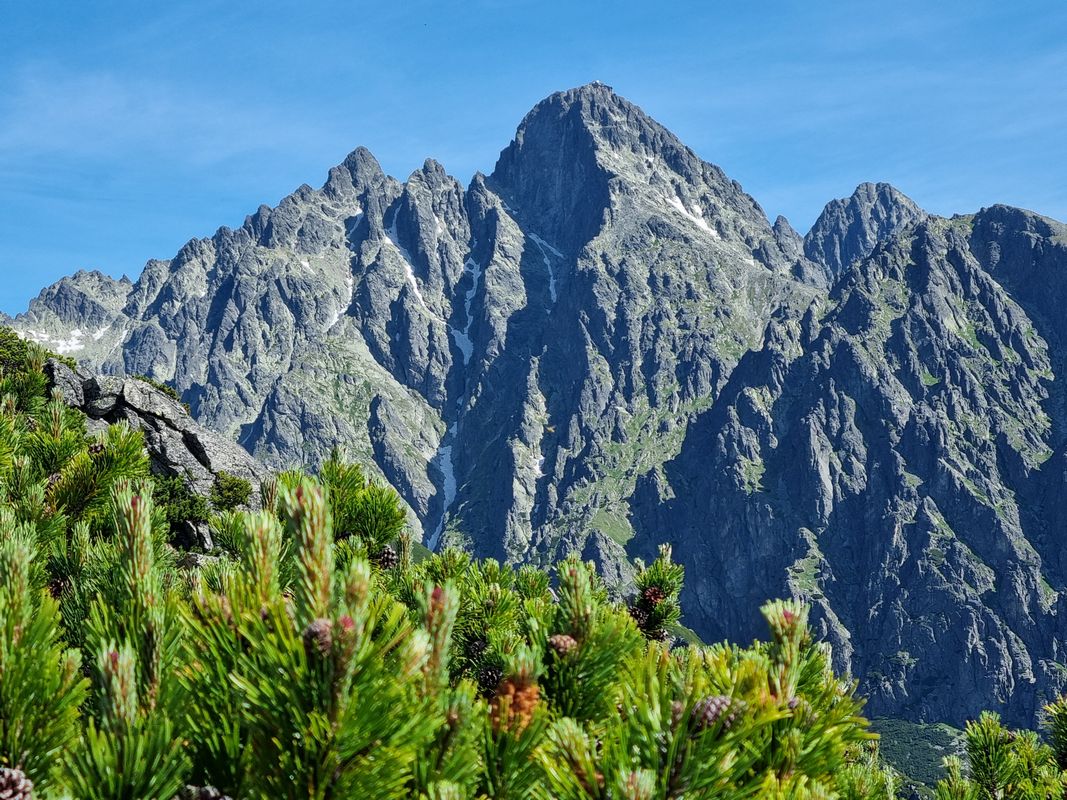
605, 345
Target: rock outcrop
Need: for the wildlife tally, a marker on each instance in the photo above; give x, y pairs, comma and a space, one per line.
177, 444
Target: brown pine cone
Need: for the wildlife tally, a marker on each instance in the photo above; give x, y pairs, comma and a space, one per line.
96, 448
653, 595
715, 708
640, 616
562, 644
386, 558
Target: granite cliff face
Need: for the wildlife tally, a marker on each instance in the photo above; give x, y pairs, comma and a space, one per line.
893, 455
605, 344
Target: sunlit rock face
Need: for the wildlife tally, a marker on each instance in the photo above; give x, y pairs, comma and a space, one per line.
605, 344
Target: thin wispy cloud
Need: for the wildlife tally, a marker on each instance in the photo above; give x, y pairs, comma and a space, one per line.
46, 111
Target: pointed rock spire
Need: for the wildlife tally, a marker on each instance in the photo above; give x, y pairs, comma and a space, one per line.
849, 229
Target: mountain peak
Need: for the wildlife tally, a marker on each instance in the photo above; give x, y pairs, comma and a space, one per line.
575, 145
609, 117
561, 136
880, 191
359, 171
849, 228
588, 92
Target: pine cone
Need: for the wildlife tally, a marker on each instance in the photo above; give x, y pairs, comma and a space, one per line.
318, 638
14, 785
489, 678
562, 644
640, 616
31, 425
53, 479
57, 586
714, 708
96, 449
387, 558
658, 635
653, 596
476, 647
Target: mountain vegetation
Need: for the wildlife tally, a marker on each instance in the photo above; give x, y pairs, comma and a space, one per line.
315, 657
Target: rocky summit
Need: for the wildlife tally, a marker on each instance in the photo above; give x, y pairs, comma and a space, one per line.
605, 345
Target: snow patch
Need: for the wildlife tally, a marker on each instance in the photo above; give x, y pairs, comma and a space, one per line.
444, 462
542, 243
405, 256
696, 215
100, 333
71, 345
544, 246
463, 342
352, 222
463, 337
58, 344
350, 284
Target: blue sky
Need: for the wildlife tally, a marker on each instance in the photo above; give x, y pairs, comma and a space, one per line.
127, 128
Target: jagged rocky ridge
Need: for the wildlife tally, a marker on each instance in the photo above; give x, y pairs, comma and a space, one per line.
605, 344
503, 352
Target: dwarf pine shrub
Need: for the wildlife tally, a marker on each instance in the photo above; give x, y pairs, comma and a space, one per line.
312, 658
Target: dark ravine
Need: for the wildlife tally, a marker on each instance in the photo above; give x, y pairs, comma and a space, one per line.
605, 344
